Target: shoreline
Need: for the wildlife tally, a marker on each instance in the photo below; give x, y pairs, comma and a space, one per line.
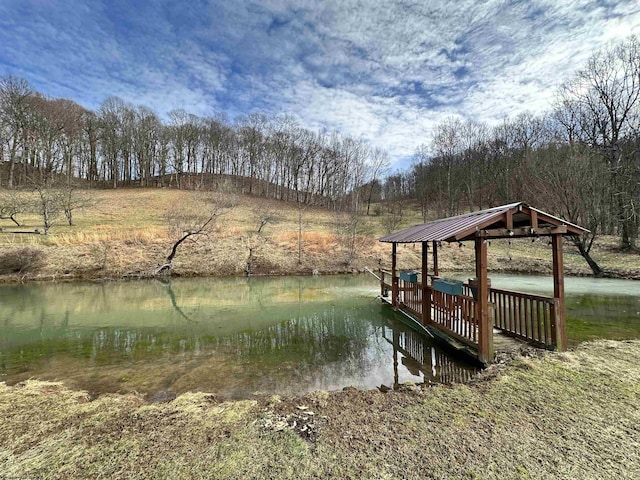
14, 279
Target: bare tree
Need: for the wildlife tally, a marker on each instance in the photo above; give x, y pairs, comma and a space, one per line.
191, 224
11, 204
393, 213
14, 105
378, 164
447, 147
348, 226
111, 114
253, 242
264, 215
301, 209
145, 144
72, 199
607, 94
572, 182
48, 205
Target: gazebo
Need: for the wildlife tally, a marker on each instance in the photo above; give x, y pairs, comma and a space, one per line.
467, 313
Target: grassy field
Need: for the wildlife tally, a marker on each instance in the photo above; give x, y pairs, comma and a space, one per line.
559, 415
129, 232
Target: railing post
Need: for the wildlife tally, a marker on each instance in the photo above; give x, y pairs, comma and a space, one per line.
382, 283
394, 275
435, 259
426, 297
395, 291
426, 304
558, 329
558, 293
485, 327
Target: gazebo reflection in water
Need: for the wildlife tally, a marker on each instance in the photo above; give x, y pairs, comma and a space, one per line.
422, 358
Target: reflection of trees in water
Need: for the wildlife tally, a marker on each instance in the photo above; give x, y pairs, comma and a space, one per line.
317, 338
172, 297
339, 339
20, 297
332, 335
320, 348
422, 358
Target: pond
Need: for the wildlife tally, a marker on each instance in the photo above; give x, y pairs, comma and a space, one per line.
236, 337
595, 307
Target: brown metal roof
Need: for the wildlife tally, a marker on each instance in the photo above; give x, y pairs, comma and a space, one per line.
464, 227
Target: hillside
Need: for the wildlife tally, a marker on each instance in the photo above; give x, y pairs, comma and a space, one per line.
129, 233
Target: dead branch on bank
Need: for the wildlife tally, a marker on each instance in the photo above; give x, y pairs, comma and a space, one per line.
190, 225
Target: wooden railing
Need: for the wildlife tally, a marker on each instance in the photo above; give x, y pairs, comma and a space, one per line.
386, 286
411, 297
530, 317
456, 314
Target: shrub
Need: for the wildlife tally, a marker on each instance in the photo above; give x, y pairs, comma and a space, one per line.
23, 260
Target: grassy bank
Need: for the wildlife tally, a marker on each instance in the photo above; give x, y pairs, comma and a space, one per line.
567, 415
126, 233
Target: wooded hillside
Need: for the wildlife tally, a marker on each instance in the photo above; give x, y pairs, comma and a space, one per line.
580, 160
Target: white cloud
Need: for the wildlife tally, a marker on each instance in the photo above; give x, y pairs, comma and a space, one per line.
385, 71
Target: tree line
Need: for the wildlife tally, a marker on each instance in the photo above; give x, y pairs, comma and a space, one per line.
579, 160
45, 140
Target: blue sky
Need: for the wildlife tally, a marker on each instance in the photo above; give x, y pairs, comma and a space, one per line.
387, 71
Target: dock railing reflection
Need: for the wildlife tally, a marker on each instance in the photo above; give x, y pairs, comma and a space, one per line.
421, 358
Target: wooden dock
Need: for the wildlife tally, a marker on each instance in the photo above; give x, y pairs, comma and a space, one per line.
469, 314
502, 342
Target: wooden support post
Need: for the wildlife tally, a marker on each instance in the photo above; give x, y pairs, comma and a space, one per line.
435, 259
509, 220
382, 283
395, 332
426, 296
394, 275
485, 328
558, 327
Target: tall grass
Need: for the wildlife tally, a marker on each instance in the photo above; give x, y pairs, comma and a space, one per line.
144, 236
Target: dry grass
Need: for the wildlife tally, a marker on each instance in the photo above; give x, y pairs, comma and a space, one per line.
568, 415
126, 232
314, 242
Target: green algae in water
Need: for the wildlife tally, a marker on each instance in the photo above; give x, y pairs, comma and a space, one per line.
237, 336
234, 337
595, 307
615, 317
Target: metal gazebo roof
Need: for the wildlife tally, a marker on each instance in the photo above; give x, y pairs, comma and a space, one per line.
507, 221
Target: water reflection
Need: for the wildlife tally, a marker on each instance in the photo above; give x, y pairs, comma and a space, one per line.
422, 358
166, 283
233, 336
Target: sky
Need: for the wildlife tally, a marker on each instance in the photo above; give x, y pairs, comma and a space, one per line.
387, 71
